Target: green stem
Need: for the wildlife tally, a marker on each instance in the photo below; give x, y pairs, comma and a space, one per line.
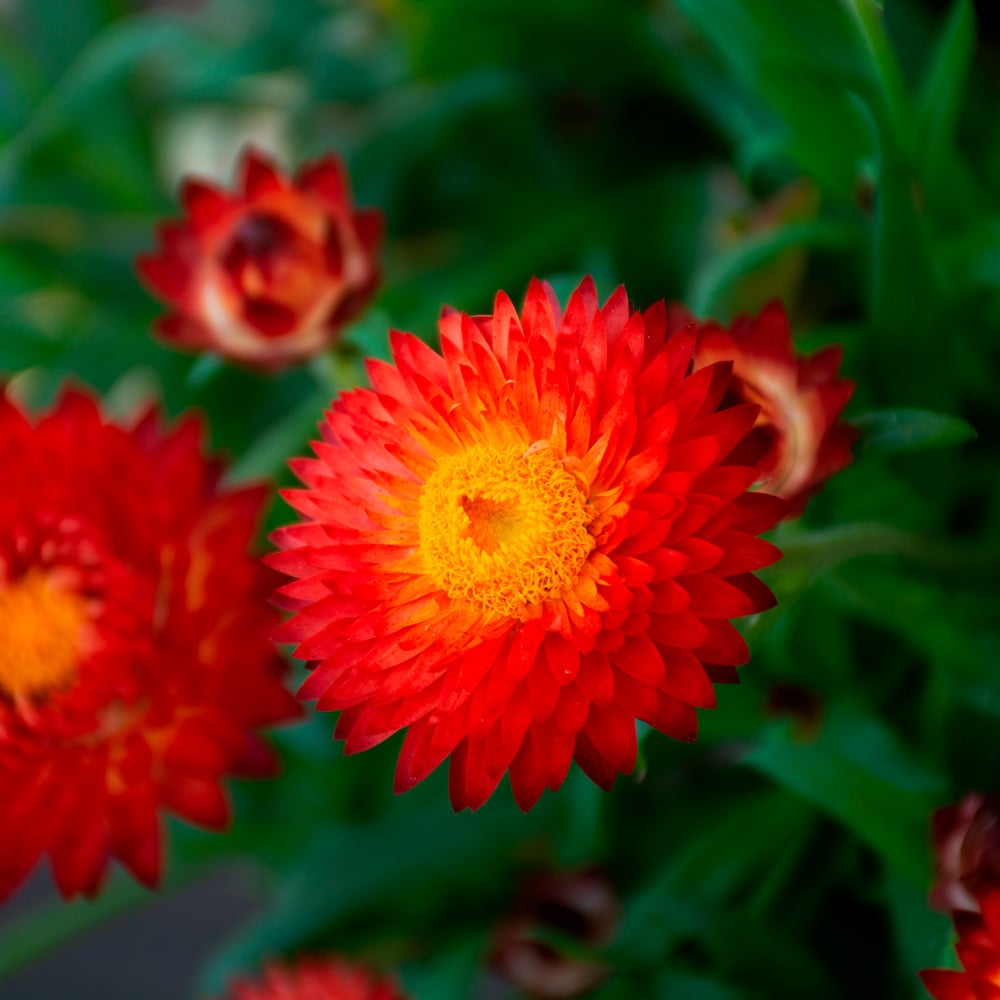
867, 17
336, 371
715, 280
65, 228
820, 550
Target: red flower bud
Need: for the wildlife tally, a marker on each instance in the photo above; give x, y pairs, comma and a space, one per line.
270, 274
799, 440
967, 845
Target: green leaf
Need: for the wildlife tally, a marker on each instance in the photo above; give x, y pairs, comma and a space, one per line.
923, 937
888, 91
857, 772
812, 552
451, 972
970, 259
905, 290
954, 627
22, 347
99, 68
56, 45
896, 431
703, 869
675, 985
352, 869
792, 59
267, 457
941, 97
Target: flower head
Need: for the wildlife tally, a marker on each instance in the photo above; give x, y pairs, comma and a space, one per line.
799, 440
978, 949
316, 979
519, 546
136, 660
967, 849
269, 274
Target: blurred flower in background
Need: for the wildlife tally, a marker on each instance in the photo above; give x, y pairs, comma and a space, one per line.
801, 704
967, 849
577, 909
520, 547
136, 662
315, 978
268, 275
798, 441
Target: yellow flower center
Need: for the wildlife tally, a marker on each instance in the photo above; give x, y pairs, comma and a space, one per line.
503, 528
40, 626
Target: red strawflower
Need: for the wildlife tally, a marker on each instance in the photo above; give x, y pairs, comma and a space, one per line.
316, 979
270, 274
798, 441
978, 949
521, 547
967, 849
136, 660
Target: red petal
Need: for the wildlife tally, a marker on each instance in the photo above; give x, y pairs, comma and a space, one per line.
770, 336
259, 175
206, 205
326, 179
715, 598
198, 800
606, 747
686, 680
945, 984
369, 223
542, 762
724, 644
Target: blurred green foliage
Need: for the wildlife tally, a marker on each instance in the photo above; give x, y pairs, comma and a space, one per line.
718, 152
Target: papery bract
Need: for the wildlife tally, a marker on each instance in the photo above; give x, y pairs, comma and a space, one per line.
519, 546
136, 663
799, 440
267, 275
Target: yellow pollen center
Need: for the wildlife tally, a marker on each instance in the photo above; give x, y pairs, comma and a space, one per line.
40, 625
503, 529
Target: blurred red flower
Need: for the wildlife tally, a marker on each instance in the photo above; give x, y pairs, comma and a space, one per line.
799, 440
136, 660
316, 979
270, 274
520, 547
967, 849
978, 949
